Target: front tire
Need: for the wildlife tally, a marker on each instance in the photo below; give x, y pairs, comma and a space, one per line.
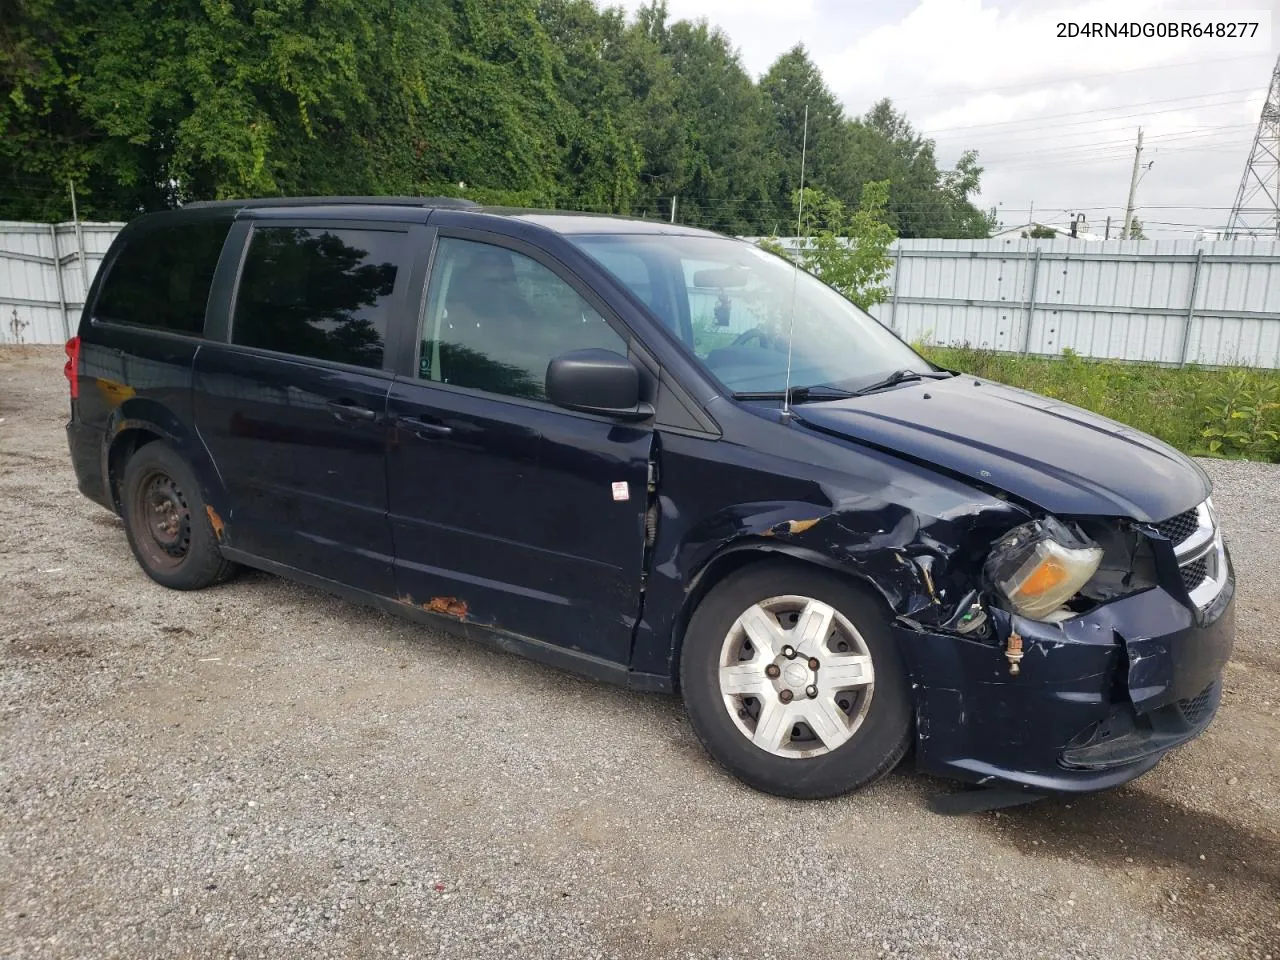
167, 522
792, 682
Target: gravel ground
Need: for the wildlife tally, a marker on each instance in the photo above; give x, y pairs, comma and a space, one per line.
259, 770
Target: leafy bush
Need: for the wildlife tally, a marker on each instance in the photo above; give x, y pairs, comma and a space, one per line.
1243, 418
848, 249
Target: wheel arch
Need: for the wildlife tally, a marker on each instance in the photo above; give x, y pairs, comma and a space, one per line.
140, 422
739, 556
121, 447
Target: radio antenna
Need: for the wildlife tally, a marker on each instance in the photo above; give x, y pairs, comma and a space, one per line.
795, 267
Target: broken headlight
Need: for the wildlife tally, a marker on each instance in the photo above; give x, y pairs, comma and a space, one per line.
1041, 565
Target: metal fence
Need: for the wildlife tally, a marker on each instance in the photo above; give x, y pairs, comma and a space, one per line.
45, 270
1168, 301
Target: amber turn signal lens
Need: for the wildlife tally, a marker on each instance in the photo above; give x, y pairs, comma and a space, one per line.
1036, 571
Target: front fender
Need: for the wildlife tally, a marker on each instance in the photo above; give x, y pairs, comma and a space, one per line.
914, 535
913, 561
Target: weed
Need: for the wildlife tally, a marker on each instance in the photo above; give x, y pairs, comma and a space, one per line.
1243, 418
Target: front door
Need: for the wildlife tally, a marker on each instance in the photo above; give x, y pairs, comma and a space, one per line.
506, 510
293, 409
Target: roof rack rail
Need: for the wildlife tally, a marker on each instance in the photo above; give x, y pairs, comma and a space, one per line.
455, 202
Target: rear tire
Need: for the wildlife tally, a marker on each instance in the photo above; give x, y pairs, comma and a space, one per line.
167, 521
793, 683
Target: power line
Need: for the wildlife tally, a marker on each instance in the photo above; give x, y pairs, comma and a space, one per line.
1099, 148
1090, 126
1080, 113
1112, 148
1032, 83
1041, 163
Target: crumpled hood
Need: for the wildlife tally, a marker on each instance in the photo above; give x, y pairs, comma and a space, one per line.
1059, 457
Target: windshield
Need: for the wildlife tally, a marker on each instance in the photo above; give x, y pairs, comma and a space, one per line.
730, 303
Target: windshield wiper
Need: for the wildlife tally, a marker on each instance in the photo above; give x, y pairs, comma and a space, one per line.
811, 394
901, 376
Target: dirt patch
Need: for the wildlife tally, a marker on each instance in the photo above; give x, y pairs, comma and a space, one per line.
1215, 876
260, 769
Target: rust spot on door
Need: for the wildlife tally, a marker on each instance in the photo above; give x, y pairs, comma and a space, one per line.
449, 606
215, 521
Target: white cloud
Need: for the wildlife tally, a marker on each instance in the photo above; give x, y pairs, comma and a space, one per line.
992, 75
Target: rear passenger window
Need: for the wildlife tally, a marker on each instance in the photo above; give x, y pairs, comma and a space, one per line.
318, 292
162, 278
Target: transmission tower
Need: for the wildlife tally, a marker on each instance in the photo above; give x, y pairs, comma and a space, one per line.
1257, 208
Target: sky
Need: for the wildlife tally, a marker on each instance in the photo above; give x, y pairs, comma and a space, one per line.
1053, 119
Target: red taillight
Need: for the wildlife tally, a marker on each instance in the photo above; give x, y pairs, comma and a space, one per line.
72, 368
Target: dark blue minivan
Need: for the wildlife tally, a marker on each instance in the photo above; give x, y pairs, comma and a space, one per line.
661, 457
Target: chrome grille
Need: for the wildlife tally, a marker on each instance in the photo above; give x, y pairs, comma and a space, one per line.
1180, 527
1194, 573
1197, 544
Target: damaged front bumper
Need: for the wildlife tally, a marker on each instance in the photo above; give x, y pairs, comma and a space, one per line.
1097, 701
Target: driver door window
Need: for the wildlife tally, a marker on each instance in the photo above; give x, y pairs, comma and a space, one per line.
496, 318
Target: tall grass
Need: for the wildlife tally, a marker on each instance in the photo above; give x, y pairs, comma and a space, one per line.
1232, 412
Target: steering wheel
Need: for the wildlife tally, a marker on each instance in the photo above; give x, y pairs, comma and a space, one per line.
755, 333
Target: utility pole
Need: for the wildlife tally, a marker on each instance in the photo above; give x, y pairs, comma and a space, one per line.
1107, 235
75, 218
1133, 187
673, 208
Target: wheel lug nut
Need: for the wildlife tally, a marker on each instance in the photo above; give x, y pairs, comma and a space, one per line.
813, 663
785, 696
772, 670
811, 691
789, 652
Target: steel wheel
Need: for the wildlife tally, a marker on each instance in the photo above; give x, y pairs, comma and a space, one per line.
169, 525
796, 676
161, 520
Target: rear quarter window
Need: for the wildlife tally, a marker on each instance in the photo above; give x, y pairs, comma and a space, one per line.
161, 278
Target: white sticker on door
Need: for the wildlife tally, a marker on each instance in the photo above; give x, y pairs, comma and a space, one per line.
621, 491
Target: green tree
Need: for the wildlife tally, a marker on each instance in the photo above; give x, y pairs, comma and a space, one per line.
923, 201
847, 249
792, 86
148, 104
723, 177
602, 156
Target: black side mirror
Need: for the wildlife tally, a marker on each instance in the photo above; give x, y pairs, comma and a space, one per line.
597, 381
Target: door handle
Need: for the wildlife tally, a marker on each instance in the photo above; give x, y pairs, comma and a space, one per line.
345, 410
425, 428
